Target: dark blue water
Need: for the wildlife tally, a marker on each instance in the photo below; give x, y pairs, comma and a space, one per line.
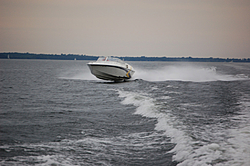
57, 113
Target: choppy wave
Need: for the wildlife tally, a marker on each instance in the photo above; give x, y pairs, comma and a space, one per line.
121, 150
240, 137
51, 121
223, 147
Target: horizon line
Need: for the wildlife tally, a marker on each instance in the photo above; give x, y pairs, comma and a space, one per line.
139, 56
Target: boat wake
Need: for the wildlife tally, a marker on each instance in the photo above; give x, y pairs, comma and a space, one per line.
186, 73
218, 150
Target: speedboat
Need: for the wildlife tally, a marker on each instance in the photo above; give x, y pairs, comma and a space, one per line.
110, 68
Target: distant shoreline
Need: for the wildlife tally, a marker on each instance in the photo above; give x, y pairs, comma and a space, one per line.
16, 55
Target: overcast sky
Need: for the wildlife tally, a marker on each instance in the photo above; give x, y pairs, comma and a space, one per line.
173, 28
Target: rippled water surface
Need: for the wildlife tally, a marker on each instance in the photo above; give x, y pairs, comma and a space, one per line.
57, 113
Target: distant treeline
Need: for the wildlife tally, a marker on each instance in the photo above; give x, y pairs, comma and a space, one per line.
16, 55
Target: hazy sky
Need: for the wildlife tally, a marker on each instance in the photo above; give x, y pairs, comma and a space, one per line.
176, 28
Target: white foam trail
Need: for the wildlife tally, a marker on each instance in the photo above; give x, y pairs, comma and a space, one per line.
185, 73
240, 137
52, 160
189, 152
146, 107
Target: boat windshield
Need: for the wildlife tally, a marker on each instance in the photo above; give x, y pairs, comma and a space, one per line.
110, 59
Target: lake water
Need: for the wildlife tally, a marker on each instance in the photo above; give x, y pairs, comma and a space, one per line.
171, 113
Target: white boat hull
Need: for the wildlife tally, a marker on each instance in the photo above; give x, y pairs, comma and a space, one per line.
110, 72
